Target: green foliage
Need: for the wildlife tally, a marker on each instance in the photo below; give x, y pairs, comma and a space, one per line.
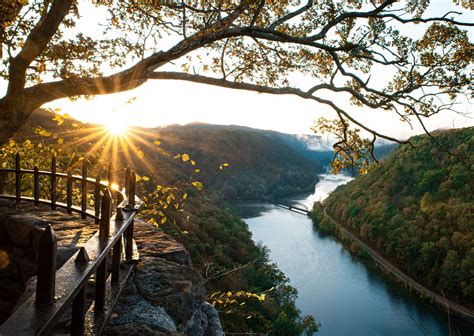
351, 151
417, 208
249, 292
39, 153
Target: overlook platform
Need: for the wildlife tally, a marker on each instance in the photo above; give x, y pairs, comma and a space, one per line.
21, 227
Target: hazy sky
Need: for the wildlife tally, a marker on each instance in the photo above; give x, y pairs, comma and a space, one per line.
168, 102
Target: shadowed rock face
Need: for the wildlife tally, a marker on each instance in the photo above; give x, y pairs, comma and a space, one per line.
165, 296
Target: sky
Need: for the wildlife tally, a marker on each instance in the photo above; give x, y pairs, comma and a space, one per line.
160, 103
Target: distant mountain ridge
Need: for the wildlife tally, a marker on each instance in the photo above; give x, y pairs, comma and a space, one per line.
261, 164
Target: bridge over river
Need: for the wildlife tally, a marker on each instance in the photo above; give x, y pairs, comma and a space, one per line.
293, 206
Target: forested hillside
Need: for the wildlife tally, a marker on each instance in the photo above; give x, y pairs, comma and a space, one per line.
257, 164
260, 166
417, 209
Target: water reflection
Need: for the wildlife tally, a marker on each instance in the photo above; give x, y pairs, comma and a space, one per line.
346, 296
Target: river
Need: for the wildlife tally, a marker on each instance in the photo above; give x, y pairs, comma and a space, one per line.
341, 292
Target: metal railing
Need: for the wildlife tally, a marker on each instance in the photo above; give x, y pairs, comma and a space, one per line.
56, 290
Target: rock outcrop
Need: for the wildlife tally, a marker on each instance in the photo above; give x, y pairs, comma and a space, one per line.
165, 296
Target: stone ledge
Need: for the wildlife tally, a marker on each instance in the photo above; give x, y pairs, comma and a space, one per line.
166, 296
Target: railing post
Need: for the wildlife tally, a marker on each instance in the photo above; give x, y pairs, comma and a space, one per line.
84, 190
17, 179
105, 213
97, 200
46, 280
131, 189
116, 259
78, 313
127, 177
110, 175
131, 202
69, 192
53, 182
36, 185
104, 230
129, 241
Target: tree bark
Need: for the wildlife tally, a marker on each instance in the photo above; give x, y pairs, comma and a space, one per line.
13, 116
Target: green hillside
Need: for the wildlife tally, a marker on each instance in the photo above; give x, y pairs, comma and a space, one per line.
260, 164
417, 209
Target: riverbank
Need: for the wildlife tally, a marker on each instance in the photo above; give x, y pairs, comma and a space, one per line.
345, 294
396, 273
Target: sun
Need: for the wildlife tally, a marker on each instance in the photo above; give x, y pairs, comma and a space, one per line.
117, 127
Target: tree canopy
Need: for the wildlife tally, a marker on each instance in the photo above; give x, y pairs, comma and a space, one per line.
417, 209
251, 45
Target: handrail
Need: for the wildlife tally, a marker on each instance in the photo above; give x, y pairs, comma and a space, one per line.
85, 181
48, 173
55, 290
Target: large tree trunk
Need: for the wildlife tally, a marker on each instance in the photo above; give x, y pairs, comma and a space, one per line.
13, 116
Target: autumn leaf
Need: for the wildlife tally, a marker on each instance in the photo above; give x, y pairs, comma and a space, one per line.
185, 157
222, 166
197, 185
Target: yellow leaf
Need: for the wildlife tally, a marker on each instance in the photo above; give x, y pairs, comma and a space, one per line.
157, 142
193, 162
163, 220
185, 157
145, 178
197, 185
140, 154
197, 170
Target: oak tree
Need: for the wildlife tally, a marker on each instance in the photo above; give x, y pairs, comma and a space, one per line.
251, 45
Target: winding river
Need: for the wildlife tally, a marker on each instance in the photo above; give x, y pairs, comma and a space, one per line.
342, 293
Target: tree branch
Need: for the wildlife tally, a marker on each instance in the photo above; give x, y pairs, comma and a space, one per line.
35, 44
291, 15
265, 89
